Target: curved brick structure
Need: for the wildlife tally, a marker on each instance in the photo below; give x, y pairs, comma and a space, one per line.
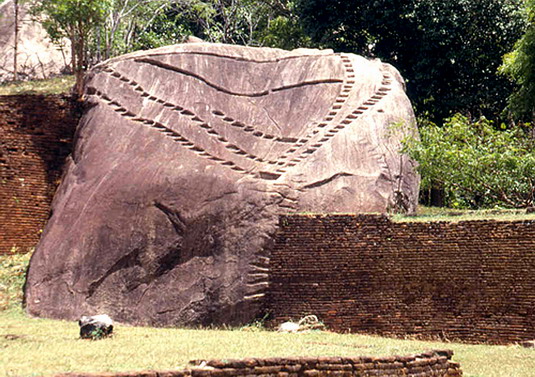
184, 160
428, 364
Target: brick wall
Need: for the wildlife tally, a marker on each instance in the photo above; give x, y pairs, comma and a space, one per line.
428, 364
35, 137
472, 281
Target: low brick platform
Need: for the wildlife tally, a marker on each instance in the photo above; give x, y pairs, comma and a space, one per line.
429, 364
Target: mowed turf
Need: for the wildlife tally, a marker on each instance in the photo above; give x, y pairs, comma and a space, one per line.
56, 85
30, 347
36, 347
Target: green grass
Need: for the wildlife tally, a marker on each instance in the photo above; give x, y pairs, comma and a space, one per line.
12, 276
57, 85
448, 214
433, 214
32, 347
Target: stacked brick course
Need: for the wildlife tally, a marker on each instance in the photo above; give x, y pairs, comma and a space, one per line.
428, 364
471, 281
35, 137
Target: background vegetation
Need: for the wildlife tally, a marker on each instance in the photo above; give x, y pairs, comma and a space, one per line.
476, 164
469, 68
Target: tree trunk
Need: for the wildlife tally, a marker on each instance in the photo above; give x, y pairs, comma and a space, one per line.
437, 197
81, 61
16, 44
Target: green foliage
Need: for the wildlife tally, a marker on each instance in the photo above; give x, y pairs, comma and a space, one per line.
283, 32
520, 66
12, 277
244, 22
75, 20
129, 25
282, 28
70, 18
115, 27
477, 165
448, 51
56, 85
164, 29
217, 21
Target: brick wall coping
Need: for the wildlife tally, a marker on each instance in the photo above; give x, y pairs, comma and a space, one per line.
377, 218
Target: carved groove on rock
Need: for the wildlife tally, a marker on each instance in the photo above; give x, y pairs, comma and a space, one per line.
250, 130
242, 59
230, 92
258, 279
320, 139
168, 132
202, 123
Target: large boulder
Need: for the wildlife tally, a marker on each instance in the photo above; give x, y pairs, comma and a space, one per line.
184, 159
37, 57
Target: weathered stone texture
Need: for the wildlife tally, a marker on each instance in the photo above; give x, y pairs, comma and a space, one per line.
37, 56
470, 280
184, 160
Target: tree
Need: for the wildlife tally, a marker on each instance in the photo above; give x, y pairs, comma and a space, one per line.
520, 66
476, 164
448, 51
16, 42
247, 22
224, 21
125, 20
75, 20
101, 29
282, 27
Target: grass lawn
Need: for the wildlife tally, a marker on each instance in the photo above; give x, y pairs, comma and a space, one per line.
448, 214
40, 347
57, 85
34, 347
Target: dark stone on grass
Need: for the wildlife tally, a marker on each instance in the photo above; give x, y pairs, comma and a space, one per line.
185, 158
95, 327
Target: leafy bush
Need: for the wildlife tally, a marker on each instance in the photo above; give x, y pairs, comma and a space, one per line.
476, 164
12, 276
520, 66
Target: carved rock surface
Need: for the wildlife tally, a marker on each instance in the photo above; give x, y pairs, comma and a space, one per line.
183, 161
37, 56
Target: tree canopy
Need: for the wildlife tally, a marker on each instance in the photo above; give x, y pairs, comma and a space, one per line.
75, 20
520, 66
448, 51
476, 164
